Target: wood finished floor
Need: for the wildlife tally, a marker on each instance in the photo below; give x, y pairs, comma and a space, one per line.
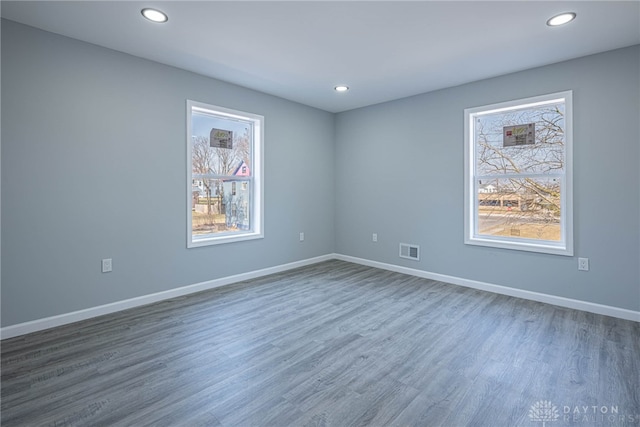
333, 344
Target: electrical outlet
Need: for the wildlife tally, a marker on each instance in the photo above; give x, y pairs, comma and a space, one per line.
583, 264
302, 237
374, 237
107, 265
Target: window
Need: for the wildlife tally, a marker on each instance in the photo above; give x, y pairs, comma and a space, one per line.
518, 175
224, 148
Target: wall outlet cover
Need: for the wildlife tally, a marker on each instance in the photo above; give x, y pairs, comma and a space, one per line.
583, 264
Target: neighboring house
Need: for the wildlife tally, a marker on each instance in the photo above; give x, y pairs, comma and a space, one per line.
487, 188
236, 198
198, 191
198, 187
488, 195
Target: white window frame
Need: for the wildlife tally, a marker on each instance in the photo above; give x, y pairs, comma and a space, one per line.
471, 235
256, 213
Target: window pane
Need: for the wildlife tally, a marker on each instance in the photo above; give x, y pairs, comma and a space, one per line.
521, 141
220, 145
220, 206
524, 208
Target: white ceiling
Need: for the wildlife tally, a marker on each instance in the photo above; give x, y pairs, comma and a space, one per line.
383, 50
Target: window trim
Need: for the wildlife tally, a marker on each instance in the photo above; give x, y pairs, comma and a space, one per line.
257, 178
471, 236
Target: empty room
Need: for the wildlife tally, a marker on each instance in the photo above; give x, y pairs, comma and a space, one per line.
320, 213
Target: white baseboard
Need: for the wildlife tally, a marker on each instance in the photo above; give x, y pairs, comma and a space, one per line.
75, 316
591, 307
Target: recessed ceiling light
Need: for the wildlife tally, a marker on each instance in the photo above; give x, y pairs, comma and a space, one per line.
341, 88
154, 15
561, 19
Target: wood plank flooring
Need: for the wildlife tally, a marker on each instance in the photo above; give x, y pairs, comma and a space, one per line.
333, 344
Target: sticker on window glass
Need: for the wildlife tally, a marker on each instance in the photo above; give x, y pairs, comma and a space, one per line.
221, 138
519, 135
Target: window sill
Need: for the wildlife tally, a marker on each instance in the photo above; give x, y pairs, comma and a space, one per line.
219, 240
528, 246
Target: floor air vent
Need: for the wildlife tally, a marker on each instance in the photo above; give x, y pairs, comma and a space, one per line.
409, 251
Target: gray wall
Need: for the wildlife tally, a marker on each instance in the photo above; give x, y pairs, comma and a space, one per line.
94, 166
399, 169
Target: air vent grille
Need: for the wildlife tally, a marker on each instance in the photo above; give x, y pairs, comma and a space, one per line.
409, 251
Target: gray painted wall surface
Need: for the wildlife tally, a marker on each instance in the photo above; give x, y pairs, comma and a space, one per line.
94, 166
401, 165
